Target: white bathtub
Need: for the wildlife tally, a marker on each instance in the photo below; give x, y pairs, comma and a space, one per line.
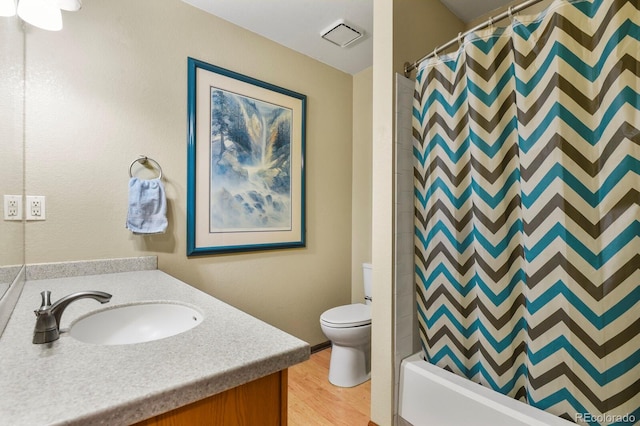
432, 396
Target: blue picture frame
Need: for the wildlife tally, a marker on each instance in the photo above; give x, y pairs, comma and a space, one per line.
245, 163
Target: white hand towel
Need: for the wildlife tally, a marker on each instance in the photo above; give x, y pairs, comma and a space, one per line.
147, 207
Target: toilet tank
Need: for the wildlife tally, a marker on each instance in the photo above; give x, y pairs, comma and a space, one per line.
368, 282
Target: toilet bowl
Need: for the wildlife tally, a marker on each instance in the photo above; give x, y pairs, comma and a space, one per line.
349, 329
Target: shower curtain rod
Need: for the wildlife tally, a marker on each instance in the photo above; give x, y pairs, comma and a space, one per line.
408, 67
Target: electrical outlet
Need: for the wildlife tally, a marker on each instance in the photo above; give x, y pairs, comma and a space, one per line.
35, 207
13, 207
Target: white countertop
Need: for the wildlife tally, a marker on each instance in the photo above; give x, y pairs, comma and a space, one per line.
70, 382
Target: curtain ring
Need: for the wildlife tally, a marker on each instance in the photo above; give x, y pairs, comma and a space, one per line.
435, 52
510, 11
460, 39
491, 22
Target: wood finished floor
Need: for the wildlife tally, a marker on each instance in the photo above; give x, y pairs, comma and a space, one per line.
313, 401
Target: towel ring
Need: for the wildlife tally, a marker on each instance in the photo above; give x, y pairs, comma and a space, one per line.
143, 159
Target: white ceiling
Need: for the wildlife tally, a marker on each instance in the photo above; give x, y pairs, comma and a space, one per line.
298, 24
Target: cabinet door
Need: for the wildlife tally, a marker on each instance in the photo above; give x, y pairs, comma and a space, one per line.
262, 402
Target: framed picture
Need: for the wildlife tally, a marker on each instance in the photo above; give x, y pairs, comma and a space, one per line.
246, 152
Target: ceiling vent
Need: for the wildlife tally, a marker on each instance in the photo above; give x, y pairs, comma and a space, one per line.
342, 34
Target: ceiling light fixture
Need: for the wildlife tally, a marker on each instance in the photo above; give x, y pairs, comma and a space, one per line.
70, 5
44, 14
342, 34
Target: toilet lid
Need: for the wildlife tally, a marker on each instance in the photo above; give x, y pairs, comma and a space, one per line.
347, 316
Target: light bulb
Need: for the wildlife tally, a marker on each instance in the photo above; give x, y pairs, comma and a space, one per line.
7, 7
43, 14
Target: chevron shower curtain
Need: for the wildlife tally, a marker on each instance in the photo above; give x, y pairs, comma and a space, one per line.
527, 210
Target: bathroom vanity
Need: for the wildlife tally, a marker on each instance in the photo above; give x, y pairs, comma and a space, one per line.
229, 369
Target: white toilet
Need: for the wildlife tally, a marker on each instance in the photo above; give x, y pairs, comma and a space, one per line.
349, 329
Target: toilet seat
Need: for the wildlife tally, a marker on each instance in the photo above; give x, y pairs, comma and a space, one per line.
347, 316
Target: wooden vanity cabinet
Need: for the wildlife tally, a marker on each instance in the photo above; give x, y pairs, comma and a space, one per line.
262, 402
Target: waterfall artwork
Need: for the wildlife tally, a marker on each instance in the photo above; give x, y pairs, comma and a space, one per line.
245, 163
250, 164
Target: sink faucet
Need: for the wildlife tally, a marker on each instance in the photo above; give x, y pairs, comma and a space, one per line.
48, 316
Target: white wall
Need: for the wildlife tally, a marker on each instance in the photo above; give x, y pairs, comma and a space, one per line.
382, 216
112, 85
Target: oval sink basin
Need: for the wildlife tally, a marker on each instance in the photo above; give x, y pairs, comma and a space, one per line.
137, 323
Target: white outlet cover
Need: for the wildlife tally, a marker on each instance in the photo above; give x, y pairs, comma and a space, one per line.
12, 202
29, 209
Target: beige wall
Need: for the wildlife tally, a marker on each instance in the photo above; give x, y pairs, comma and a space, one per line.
419, 26
536, 8
404, 30
361, 186
11, 124
113, 85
